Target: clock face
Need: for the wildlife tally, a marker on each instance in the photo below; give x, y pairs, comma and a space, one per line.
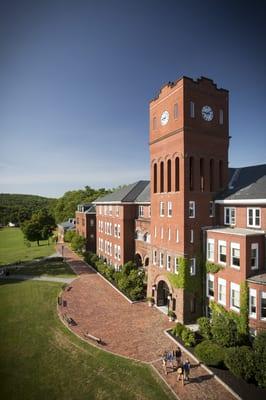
207, 113
164, 118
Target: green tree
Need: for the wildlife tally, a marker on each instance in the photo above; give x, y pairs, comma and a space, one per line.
39, 227
259, 346
78, 242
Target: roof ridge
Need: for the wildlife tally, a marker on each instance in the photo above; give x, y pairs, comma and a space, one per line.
135, 184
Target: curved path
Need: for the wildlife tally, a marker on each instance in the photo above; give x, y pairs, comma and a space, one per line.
132, 330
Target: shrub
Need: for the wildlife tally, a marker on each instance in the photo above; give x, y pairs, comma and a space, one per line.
178, 329
224, 330
132, 285
68, 236
240, 361
188, 337
205, 327
78, 243
210, 353
259, 346
128, 267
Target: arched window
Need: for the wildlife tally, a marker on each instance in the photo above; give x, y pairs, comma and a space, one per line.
169, 176
202, 177
191, 173
177, 174
220, 174
211, 175
161, 177
155, 178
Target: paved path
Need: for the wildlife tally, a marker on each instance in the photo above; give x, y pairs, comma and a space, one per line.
38, 278
131, 330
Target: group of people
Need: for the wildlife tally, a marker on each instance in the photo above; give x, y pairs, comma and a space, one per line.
174, 360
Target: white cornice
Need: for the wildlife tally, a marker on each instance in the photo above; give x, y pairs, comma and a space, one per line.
239, 201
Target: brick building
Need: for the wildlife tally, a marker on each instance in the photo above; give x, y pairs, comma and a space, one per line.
194, 210
86, 225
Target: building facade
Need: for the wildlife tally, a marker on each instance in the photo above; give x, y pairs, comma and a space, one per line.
86, 225
195, 212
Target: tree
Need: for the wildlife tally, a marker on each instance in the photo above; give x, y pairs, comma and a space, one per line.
78, 242
259, 346
39, 227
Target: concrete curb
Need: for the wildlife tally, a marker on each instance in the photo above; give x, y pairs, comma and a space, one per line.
165, 381
204, 366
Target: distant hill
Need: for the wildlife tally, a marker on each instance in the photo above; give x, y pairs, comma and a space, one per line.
17, 208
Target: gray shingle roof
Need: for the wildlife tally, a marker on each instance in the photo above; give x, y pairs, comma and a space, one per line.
246, 183
258, 279
145, 195
127, 194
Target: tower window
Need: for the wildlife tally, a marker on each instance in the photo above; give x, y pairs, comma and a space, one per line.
169, 176
161, 177
192, 109
221, 117
191, 211
155, 178
202, 183
211, 174
175, 111
191, 173
177, 174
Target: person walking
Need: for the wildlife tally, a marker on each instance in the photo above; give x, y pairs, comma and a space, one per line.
186, 369
164, 360
180, 374
178, 356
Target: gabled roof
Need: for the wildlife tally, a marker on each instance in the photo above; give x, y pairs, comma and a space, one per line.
145, 195
127, 194
91, 209
247, 183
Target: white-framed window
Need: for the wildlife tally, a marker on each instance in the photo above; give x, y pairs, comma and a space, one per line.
111, 248
168, 263
177, 235
253, 217
115, 230
176, 265
254, 256
115, 251
117, 211
161, 259
161, 232
175, 111
192, 266
211, 209
221, 251
221, 117
118, 231
235, 296
118, 252
252, 303
155, 231
141, 211
192, 109
111, 228
154, 258
210, 249
191, 209
235, 255
210, 285
229, 216
191, 236
263, 305
222, 291
161, 209
99, 243
169, 233
169, 209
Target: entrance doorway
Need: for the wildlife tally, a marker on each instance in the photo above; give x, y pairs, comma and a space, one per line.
162, 294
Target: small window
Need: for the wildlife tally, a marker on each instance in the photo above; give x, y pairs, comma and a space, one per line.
176, 265
229, 216
253, 217
222, 252
191, 236
222, 291
221, 117
118, 230
175, 111
235, 255
117, 211
170, 208
210, 250
193, 266
168, 265
210, 285
254, 263
154, 257
161, 232
235, 296
161, 209
192, 109
191, 212
252, 303
263, 305
141, 211
161, 260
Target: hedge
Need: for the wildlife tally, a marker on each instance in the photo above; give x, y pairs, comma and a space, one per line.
210, 353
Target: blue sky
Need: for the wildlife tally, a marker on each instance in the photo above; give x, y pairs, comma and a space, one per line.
76, 78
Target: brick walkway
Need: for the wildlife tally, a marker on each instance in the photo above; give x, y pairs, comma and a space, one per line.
131, 330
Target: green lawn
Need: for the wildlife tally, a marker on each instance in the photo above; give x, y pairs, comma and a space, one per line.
13, 248
48, 267
41, 359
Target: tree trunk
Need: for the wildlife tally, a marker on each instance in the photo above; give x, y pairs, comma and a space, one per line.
38, 243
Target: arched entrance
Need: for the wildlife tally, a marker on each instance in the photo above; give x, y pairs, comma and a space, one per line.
138, 260
146, 262
162, 294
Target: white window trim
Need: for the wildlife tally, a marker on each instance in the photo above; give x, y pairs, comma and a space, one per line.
231, 209
255, 246
212, 209
209, 277
161, 209
169, 209
222, 243
211, 241
252, 293
262, 296
192, 266
235, 287
176, 265
235, 246
192, 206
161, 261
168, 262
221, 282
154, 257
253, 217
191, 236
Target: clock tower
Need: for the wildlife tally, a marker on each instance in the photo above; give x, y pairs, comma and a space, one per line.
189, 164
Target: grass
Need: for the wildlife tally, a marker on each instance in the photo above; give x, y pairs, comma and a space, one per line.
49, 267
13, 248
41, 359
